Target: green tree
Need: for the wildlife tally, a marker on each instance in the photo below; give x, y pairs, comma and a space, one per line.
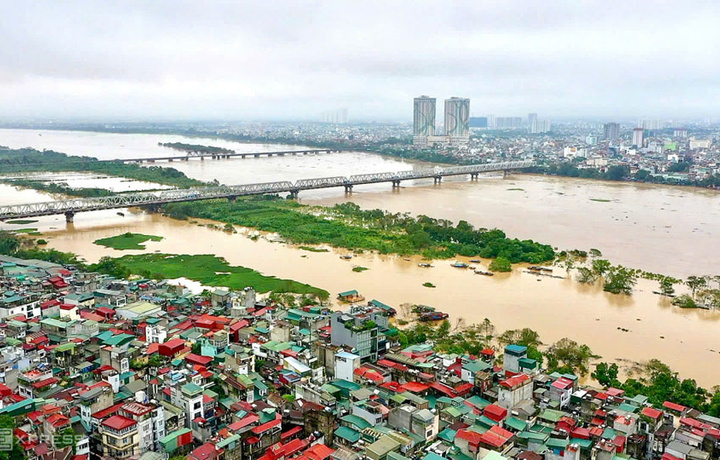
695, 283
500, 264
601, 266
9, 243
568, 356
606, 374
666, 286
17, 453
586, 275
620, 280
66, 438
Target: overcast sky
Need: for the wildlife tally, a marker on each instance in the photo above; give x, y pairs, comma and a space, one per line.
262, 59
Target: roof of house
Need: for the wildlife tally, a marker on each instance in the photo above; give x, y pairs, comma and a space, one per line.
118, 422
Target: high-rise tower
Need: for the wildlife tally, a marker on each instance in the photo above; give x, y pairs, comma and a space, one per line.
457, 119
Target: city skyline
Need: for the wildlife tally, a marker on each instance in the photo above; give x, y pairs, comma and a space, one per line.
244, 61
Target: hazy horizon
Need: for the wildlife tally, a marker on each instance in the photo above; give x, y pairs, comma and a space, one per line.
293, 61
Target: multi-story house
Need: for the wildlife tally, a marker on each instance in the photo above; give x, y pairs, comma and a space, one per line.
119, 437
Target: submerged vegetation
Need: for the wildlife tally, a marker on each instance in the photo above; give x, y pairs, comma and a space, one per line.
347, 226
207, 269
54, 187
127, 241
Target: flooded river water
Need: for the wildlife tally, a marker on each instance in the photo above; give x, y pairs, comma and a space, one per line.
669, 230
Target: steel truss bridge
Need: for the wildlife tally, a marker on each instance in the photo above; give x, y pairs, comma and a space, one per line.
71, 206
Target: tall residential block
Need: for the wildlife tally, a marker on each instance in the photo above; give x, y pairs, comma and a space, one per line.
638, 137
457, 119
611, 131
424, 116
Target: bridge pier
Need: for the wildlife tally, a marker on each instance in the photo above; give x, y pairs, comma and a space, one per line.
294, 194
505, 173
395, 183
348, 188
70, 217
437, 179
257, 155
473, 176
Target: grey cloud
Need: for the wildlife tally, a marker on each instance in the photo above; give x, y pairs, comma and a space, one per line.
267, 59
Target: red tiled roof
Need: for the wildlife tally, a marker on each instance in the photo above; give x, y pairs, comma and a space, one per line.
318, 452
107, 411
674, 406
496, 436
44, 383
444, 389
562, 383
267, 426
516, 381
118, 422
242, 423
471, 437
495, 412
290, 433
651, 412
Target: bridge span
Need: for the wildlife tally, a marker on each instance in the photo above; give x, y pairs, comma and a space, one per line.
72, 206
224, 155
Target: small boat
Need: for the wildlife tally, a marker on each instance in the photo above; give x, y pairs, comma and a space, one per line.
423, 309
424, 265
483, 272
433, 316
536, 268
475, 261
460, 265
121, 214
406, 258
346, 257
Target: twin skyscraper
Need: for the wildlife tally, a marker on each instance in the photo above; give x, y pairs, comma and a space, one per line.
456, 124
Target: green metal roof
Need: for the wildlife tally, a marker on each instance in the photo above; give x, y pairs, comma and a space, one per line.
448, 434
348, 434
516, 424
359, 422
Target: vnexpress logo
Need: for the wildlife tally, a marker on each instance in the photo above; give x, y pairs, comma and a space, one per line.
6, 439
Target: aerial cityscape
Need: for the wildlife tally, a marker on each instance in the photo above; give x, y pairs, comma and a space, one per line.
344, 231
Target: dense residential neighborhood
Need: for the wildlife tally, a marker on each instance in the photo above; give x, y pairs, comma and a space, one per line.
98, 367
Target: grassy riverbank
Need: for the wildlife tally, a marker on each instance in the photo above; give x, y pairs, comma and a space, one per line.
127, 241
347, 226
28, 160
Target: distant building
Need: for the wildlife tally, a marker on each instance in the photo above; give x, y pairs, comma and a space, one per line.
478, 122
457, 119
638, 137
680, 132
508, 122
611, 131
531, 118
650, 124
539, 126
423, 119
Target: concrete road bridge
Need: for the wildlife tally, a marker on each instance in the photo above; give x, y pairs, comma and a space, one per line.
72, 206
202, 155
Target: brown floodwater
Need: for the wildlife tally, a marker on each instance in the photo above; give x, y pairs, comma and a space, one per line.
556, 308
